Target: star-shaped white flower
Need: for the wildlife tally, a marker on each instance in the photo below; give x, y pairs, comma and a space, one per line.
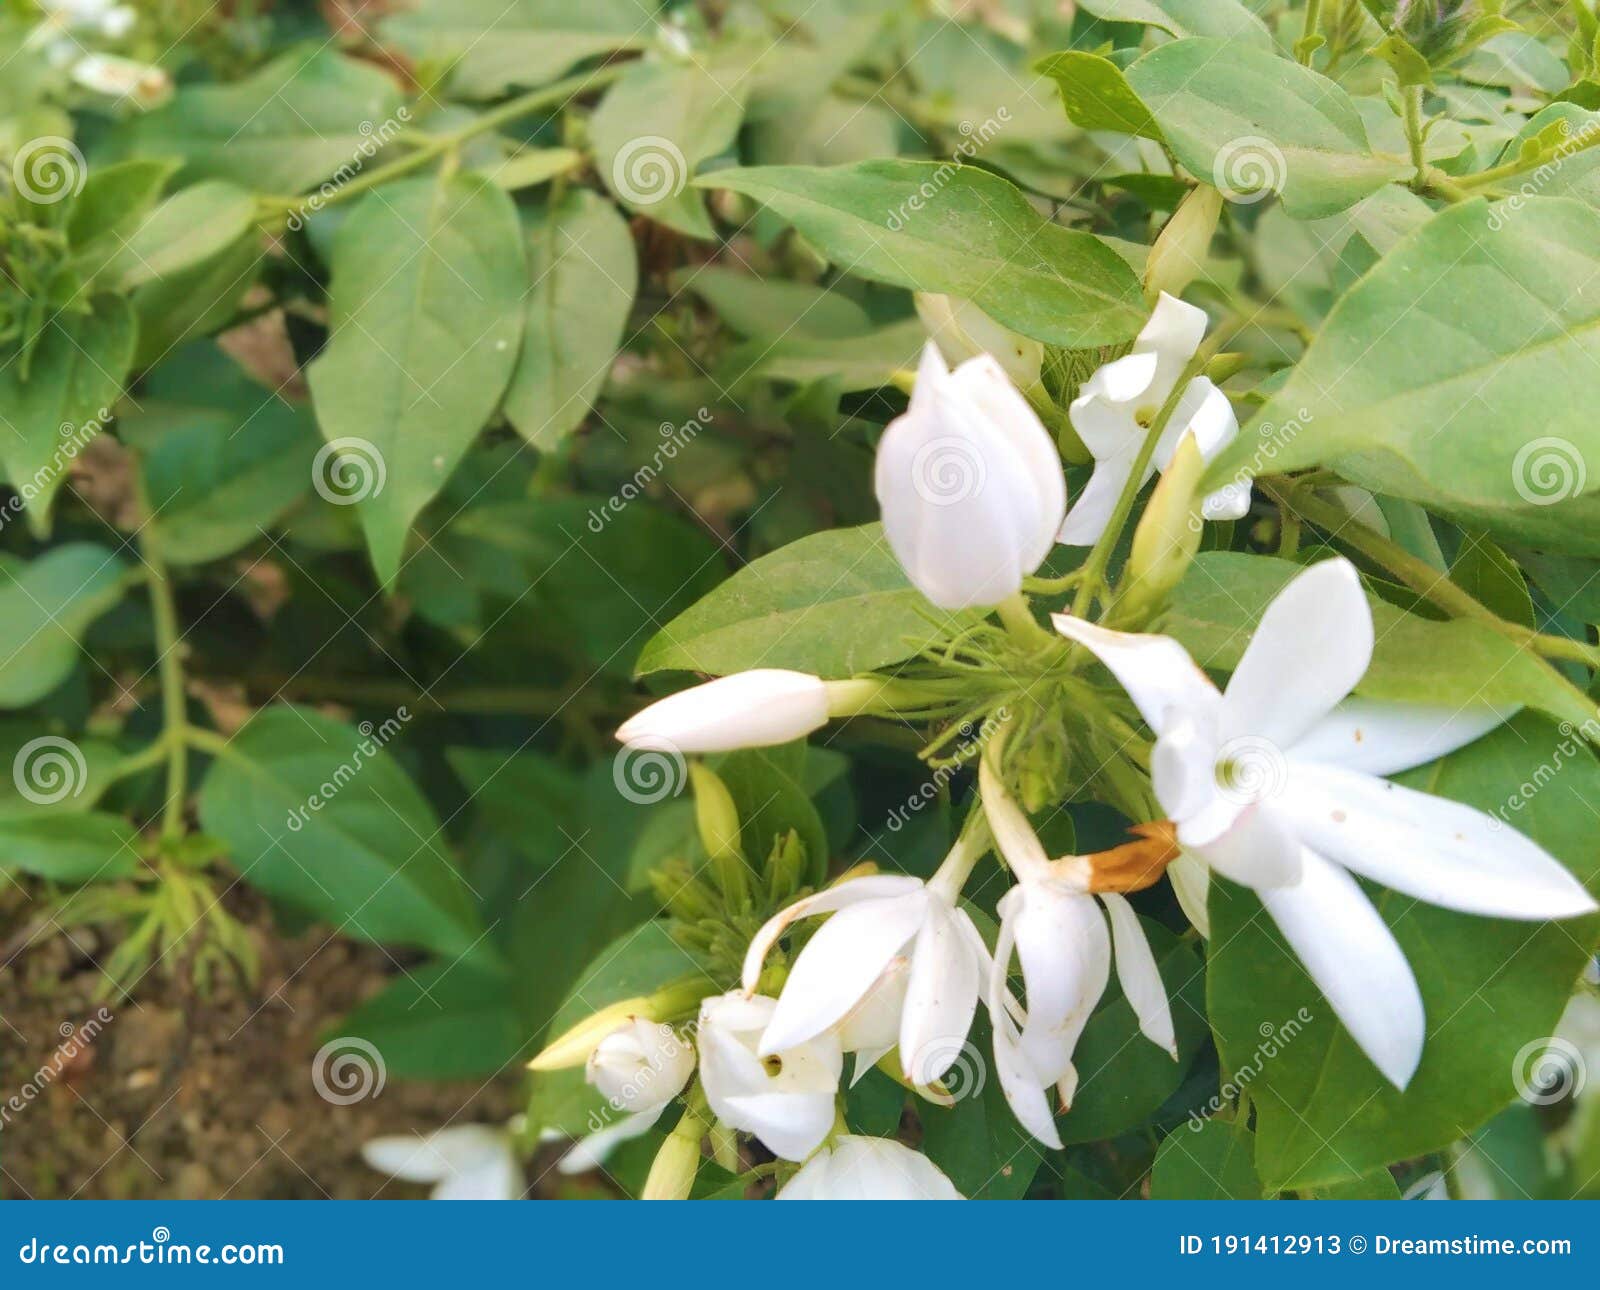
464, 1162
858, 1168
1277, 783
1117, 405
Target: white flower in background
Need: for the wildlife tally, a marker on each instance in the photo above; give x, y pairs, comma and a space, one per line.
1276, 784
784, 1098
1057, 930
857, 1168
754, 709
639, 1067
898, 958
466, 1162
1117, 405
963, 331
970, 484
122, 78
110, 19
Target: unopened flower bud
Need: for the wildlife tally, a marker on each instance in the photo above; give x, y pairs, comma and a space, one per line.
640, 1066
962, 331
1179, 254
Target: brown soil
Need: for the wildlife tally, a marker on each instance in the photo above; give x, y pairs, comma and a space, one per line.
179, 1096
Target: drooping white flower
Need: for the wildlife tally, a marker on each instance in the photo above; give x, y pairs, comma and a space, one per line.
754, 709
785, 1098
903, 946
1052, 923
860, 1168
1117, 405
639, 1067
1277, 783
963, 331
970, 484
464, 1162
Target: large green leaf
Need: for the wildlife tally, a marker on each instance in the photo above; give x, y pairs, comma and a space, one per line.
1488, 986
45, 605
940, 226
90, 846
583, 271
1095, 94
289, 125
187, 229
320, 816
493, 45
428, 284
1227, 19
49, 415
1446, 376
834, 604
1455, 663
1208, 1160
444, 1020
1248, 120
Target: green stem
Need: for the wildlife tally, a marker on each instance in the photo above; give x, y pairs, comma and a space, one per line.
433, 147
1511, 169
1411, 103
169, 668
1017, 616
1305, 51
145, 759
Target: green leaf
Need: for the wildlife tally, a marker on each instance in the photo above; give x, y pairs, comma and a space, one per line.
768, 787
290, 125
186, 230
529, 167
1492, 578
49, 772
1248, 120
1227, 19
496, 44
951, 228
1324, 1114
661, 120
847, 362
45, 605
583, 270
1575, 170
1465, 409
114, 201
451, 1020
196, 302
319, 815
1456, 663
1096, 95
834, 604
88, 846
46, 419
770, 309
978, 1142
1205, 1160
427, 320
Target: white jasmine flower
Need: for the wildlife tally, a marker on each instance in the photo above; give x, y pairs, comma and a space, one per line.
1117, 405
785, 1098
858, 1168
754, 709
640, 1067
970, 484
1276, 783
466, 1162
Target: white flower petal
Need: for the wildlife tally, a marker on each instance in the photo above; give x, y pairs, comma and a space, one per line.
840, 964
1157, 672
1183, 770
1429, 847
1120, 381
1024, 1091
1138, 974
1355, 961
591, 1152
1173, 334
941, 995
1383, 738
860, 1168
407, 1157
1065, 952
877, 886
791, 1125
1092, 509
1261, 848
1191, 884
1313, 644
1204, 412
754, 709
